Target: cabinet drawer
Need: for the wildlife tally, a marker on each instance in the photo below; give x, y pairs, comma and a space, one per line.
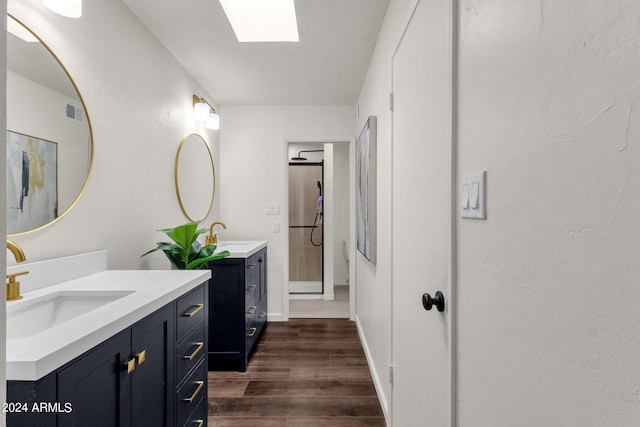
252, 268
191, 393
199, 417
261, 314
190, 352
190, 311
252, 286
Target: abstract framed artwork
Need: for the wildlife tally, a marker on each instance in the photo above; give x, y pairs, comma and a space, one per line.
32, 182
366, 190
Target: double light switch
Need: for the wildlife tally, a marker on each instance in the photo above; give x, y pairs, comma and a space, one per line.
472, 193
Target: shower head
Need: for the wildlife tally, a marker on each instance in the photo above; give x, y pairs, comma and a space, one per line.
300, 158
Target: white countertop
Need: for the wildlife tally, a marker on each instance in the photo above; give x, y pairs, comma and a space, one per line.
33, 357
241, 248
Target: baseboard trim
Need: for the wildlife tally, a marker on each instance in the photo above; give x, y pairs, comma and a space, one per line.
374, 373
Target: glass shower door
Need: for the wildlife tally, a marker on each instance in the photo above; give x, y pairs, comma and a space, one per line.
305, 228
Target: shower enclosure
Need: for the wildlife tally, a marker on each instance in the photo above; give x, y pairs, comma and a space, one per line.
306, 232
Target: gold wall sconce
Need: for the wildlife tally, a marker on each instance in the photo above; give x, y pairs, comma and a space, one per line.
203, 111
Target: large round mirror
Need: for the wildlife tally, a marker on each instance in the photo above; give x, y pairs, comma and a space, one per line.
49, 137
195, 177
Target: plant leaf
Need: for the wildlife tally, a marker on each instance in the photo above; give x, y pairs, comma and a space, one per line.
193, 264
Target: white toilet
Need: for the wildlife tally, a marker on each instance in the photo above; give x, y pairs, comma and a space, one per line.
345, 249
345, 254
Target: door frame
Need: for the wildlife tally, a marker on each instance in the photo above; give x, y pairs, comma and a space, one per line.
329, 228
452, 298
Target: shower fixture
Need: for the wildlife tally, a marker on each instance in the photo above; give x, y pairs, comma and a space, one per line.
300, 158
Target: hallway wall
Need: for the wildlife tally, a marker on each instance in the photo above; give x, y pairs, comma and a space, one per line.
373, 282
253, 158
550, 285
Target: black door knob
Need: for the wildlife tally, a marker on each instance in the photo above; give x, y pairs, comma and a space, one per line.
438, 301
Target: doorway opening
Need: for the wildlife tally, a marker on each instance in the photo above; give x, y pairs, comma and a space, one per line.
319, 227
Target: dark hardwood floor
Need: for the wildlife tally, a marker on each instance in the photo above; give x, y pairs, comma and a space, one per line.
303, 373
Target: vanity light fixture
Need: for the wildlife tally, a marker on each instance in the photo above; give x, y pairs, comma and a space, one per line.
203, 111
67, 8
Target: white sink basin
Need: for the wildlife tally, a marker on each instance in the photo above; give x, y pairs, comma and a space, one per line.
241, 249
28, 318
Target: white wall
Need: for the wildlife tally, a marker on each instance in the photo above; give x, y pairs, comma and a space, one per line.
254, 154
373, 282
3, 205
550, 285
139, 101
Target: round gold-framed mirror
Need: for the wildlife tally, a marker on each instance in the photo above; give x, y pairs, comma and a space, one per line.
49, 135
195, 177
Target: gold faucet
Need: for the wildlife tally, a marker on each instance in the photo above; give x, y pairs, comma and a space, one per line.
13, 286
212, 239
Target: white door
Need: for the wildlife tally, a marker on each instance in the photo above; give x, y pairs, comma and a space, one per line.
423, 225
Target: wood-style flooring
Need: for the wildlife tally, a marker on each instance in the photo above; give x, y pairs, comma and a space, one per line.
303, 373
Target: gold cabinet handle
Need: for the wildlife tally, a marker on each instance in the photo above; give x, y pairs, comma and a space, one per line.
194, 311
262, 314
130, 365
195, 393
199, 423
253, 332
252, 309
141, 357
252, 266
196, 351
252, 288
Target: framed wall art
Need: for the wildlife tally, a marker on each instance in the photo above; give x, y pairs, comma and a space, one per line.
32, 182
366, 190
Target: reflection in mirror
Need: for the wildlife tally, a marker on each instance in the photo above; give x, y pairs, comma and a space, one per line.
49, 138
195, 177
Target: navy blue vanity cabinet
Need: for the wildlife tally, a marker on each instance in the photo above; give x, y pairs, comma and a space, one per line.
191, 351
97, 385
127, 380
137, 378
153, 381
238, 309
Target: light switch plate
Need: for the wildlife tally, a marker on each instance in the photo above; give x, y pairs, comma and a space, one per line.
473, 196
275, 227
272, 209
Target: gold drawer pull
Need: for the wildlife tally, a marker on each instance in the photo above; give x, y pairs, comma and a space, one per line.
252, 266
251, 288
195, 393
260, 260
252, 309
253, 332
262, 314
195, 311
141, 357
196, 351
199, 423
130, 365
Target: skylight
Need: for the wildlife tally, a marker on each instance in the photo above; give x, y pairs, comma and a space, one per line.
262, 21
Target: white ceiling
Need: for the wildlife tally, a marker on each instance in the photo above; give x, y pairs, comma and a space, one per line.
327, 67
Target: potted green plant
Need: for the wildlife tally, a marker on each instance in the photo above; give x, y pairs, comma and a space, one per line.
186, 253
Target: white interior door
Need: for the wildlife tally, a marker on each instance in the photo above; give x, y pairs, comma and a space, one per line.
423, 231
